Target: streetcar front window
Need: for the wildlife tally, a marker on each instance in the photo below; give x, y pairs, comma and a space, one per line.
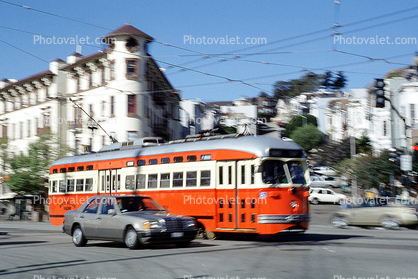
296, 172
273, 172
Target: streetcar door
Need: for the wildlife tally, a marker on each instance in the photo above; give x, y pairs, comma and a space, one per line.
110, 181
247, 196
226, 195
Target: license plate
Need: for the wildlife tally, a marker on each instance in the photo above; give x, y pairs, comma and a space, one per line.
177, 234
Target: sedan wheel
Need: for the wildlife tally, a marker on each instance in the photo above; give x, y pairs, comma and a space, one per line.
79, 239
131, 238
315, 201
390, 223
339, 222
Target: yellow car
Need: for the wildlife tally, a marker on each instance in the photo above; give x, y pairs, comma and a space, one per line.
377, 212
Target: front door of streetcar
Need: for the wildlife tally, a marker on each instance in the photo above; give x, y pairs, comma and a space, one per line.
226, 195
109, 181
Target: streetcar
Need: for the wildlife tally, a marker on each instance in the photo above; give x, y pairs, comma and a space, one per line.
236, 184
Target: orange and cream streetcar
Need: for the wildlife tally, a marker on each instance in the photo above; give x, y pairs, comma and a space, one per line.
250, 184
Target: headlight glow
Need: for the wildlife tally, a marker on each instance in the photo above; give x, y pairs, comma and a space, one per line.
150, 225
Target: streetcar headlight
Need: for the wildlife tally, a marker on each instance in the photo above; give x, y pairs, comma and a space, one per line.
149, 225
293, 204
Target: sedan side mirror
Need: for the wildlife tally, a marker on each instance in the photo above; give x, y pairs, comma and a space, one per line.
111, 212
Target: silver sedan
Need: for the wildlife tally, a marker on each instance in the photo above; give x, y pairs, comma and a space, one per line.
134, 220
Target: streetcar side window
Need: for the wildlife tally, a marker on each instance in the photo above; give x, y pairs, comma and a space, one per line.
252, 174
80, 168
114, 181
62, 186
130, 182
79, 187
165, 180
191, 178
205, 178
140, 181
177, 179
153, 161
221, 175
70, 185
54, 186
141, 162
242, 174
178, 159
152, 180
229, 175
191, 158
89, 184
55, 171
71, 169
165, 160
89, 167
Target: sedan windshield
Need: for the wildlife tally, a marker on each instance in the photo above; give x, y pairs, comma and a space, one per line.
129, 204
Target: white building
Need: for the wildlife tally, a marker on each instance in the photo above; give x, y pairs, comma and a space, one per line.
121, 87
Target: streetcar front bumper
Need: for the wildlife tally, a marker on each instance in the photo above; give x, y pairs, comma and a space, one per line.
283, 218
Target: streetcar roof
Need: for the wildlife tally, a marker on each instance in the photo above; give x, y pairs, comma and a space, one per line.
260, 146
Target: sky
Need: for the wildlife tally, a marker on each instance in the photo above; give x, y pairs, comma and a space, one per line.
220, 50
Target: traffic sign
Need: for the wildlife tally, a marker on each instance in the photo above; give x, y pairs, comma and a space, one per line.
406, 162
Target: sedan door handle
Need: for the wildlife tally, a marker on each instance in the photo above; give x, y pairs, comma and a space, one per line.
81, 217
99, 218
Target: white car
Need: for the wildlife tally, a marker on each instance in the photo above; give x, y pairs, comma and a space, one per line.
324, 181
323, 195
324, 171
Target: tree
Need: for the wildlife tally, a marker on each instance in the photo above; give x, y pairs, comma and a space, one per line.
327, 80
308, 137
299, 121
363, 145
333, 152
29, 171
309, 82
339, 82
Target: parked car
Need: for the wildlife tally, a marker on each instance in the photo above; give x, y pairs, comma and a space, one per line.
324, 171
134, 220
324, 181
323, 195
372, 213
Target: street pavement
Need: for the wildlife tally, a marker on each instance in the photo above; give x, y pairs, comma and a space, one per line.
41, 251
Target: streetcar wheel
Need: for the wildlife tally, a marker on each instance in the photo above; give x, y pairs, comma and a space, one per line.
210, 235
131, 238
79, 239
389, 223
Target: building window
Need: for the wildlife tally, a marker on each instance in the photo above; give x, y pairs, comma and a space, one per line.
132, 45
132, 135
103, 108
4, 131
412, 110
112, 70
91, 80
77, 84
29, 127
131, 105
132, 71
103, 75
21, 129
384, 129
112, 106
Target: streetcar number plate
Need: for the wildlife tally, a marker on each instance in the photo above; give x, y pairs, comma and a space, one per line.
177, 234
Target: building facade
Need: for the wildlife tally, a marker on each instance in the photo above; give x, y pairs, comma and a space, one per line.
121, 87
